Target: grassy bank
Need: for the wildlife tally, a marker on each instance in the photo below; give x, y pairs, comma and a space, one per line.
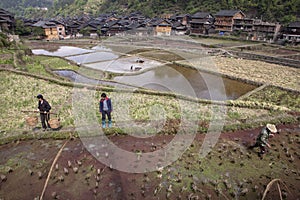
20, 94
155, 112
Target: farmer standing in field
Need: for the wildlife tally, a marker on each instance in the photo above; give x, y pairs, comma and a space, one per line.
263, 137
105, 108
44, 108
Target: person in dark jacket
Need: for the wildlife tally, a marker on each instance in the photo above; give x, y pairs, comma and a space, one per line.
105, 108
44, 109
263, 137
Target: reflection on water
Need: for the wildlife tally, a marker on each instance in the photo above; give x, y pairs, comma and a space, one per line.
62, 51
78, 78
124, 65
189, 82
176, 79
101, 48
93, 57
73, 76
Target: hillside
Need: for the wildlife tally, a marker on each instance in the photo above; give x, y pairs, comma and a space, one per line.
271, 10
25, 7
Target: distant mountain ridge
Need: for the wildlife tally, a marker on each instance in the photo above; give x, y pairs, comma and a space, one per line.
270, 10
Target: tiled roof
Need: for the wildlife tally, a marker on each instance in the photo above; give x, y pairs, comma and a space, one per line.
294, 25
44, 24
228, 13
201, 15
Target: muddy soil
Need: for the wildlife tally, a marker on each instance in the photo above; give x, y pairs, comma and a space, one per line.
229, 171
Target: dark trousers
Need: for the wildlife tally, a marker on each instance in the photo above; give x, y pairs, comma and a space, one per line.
262, 148
104, 113
44, 119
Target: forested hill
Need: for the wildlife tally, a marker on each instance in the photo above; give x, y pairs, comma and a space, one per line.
19, 7
271, 10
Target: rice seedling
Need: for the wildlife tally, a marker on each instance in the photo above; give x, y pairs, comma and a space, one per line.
277, 96
281, 76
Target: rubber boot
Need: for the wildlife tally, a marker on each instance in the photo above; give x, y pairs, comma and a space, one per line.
109, 124
103, 124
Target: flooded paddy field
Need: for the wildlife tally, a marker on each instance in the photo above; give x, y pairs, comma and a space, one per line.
147, 69
183, 80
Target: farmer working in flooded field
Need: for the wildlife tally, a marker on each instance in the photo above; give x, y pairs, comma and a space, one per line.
105, 108
262, 139
44, 108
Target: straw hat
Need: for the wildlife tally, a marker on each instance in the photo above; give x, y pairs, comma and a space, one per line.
272, 128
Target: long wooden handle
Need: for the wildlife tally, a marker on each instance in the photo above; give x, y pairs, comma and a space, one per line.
35, 111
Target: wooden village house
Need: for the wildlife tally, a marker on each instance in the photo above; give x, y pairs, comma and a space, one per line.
61, 30
184, 19
52, 31
201, 23
243, 25
73, 27
225, 20
7, 21
140, 29
178, 28
163, 27
292, 32
265, 30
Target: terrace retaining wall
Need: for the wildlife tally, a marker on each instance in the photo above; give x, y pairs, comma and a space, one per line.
270, 59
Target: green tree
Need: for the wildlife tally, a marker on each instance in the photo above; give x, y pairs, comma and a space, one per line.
21, 29
38, 31
4, 43
271, 10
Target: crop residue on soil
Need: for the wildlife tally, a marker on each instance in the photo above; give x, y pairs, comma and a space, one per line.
230, 170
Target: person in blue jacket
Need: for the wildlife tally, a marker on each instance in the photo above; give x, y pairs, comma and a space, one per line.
105, 108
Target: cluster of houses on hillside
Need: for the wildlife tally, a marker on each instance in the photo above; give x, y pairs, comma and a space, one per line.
7, 21
224, 22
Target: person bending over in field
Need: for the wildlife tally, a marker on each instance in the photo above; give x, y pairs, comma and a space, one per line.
262, 139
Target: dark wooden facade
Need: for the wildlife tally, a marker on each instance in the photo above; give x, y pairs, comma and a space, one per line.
225, 19
292, 32
7, 21
265, 30
243, 25
184, 19
201, 23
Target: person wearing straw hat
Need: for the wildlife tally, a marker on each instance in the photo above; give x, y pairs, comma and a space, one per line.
262, 139
44, 108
